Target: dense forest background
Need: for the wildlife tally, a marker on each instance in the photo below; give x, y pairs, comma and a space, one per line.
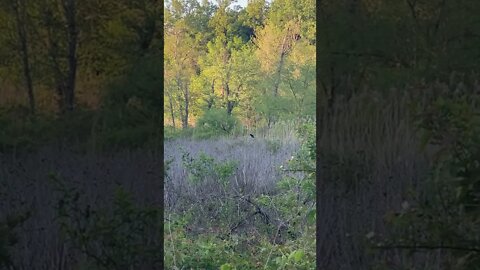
80, 67
255, 64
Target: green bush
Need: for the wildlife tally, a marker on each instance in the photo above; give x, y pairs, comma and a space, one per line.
215, 122
80, 129
205, 167
132, 106
22, 131
138, 93
212, 251
124, 237
129, 137
446, 216
171, 133
207, 251
8, 237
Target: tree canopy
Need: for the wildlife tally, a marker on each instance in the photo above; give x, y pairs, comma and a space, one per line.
256, 63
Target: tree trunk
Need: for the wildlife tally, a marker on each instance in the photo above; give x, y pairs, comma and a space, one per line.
279, 73
20, 16
211, 99
147, 31
230, 106
183, 90
70, 10
64, 79
60, 97
182, 116
171, 109
285, 47
186, 100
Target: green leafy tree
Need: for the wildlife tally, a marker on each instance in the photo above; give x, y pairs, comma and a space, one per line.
215, 122
180, 66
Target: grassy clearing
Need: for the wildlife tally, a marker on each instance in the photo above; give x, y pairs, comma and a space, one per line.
232, 203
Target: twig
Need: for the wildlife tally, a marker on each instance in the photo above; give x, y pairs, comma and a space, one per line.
171, 239
271, 251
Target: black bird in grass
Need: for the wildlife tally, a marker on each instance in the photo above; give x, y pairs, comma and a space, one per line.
251, 135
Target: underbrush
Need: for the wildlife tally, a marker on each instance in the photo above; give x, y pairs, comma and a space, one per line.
398, 175
176, 133
218, 218
124, 235
61, 209
211, 250
84, 129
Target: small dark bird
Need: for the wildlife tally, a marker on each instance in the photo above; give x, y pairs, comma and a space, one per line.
251, 135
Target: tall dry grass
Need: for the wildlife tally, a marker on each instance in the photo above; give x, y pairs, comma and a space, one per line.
25, 184
369, 160
258, 162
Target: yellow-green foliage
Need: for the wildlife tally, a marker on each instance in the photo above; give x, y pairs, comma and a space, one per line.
124, 236
215, 122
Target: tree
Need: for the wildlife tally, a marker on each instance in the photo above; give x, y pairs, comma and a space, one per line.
180, 64
246, 61
286, 27
59, 25
19, 13
20, 9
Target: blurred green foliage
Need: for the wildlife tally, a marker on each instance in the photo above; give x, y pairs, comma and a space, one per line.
215, 122
122, 237
9, 236
446, 217
204, 168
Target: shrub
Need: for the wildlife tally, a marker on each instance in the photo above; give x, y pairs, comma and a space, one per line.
446, 216
129, 137
171, 133
206, 251
215, 122
204, 167
8, 237
132, 106
138, 93
21, 131
124, 237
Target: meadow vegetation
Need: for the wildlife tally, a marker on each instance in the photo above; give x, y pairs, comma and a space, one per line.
235, 200
83, 104
82, 108
239, 203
